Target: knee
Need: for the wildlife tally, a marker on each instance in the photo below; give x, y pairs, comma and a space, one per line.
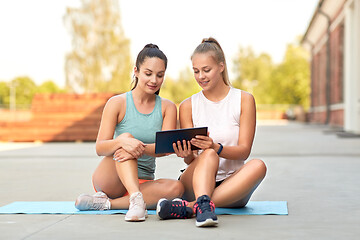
242, 203
97, 183
209, 154
175, 188
127, 135
96, 179
260, 167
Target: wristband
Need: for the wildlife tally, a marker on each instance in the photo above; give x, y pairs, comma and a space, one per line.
220, 149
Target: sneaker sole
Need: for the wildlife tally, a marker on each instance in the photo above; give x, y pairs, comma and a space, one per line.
207, 223
137, 219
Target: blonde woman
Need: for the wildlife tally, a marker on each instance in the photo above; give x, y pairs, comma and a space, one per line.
217, 175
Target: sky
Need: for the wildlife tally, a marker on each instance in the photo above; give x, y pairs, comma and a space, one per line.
34, 40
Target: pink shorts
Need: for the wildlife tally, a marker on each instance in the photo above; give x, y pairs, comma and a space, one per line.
141, 181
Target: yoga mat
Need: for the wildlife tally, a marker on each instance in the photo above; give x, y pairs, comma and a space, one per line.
54, 207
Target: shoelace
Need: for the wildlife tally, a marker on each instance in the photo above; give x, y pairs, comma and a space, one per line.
137, 201
178, 209
99, 202
205, 206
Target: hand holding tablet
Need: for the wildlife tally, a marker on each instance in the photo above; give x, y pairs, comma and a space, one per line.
165, 139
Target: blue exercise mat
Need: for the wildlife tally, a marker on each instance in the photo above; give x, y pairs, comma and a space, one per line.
54, 207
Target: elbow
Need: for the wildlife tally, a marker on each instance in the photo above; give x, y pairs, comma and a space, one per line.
246, 155
98, 150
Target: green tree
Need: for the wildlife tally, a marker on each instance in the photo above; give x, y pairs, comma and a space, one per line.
4, 94
290, 80
24, 89
181, 88
253, 73
100, 59
49, 87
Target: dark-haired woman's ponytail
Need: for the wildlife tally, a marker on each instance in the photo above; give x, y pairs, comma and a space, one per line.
150, 45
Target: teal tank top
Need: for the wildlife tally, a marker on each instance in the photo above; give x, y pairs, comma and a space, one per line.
143, 127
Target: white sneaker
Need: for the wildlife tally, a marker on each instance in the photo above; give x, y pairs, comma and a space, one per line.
137, 209
98, 201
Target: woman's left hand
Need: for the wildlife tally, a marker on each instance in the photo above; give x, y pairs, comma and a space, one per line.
121, 155
202, 142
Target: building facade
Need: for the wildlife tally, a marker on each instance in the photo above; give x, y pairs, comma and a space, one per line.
333, 38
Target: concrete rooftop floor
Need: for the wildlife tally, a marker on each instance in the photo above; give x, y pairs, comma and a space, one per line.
309, 166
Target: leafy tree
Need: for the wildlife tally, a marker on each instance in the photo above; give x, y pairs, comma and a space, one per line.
253, 73
24, 88
4, 93
100, 60
285, 83
290, 81
49, 87
180, 89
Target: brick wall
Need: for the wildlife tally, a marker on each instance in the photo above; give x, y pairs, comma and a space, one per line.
58, 117
318, 81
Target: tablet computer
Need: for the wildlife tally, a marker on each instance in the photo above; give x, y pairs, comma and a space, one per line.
165, 139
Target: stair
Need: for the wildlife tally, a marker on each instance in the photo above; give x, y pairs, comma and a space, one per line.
59, 117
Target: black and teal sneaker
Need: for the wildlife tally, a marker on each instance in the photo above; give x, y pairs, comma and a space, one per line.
205, 212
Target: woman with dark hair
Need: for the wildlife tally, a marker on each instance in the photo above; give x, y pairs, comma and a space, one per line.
217, 175
125, 176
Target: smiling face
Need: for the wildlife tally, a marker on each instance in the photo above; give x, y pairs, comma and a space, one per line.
150, 75
207, 71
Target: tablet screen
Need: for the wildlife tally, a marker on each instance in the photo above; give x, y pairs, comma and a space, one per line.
165, 139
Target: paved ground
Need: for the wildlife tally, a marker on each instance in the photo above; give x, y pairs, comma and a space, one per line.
309, 166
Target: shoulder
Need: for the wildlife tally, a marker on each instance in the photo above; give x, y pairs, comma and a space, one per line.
167, 104
248, 105
186, 104
116, 100
247, 98
116, 103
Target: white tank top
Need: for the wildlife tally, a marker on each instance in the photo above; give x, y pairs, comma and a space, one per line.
223, 121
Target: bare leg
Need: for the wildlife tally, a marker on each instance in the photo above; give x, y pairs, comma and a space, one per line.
199, 177
236, 190
114, 178
128, 174
152, 192
107, 180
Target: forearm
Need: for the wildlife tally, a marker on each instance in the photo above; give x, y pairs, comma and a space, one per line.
233, 152
107, 147
191, 157
150, 151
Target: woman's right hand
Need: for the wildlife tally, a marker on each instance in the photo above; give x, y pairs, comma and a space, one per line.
183, 149
133, 146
